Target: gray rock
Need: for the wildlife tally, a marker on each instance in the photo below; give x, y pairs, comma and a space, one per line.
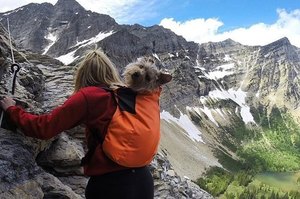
21, 177
63, 156
173, 186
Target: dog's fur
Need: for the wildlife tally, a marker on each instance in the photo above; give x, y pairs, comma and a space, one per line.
143, 75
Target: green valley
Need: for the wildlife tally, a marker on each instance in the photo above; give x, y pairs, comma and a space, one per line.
269, 162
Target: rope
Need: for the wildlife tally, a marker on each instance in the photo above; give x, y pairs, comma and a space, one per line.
12, 52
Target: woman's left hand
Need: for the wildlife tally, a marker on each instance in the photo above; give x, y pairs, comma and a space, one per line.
7, 102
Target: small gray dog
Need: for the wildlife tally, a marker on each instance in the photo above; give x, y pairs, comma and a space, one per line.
143, 75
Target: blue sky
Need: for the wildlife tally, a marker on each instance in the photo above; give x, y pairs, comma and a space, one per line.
233, 13
250, 22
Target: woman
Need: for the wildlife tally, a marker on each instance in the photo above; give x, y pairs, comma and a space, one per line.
94, 107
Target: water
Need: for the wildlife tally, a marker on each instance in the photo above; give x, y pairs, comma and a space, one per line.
287, 181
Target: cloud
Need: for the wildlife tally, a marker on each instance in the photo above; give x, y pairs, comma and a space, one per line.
198, 30
205, 30
123, 11
13, 4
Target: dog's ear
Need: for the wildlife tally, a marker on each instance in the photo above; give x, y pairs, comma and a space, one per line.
164, 78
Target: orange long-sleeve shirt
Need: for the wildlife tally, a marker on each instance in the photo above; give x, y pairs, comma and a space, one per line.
91, 106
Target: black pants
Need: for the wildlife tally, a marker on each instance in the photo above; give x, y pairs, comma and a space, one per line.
126, 184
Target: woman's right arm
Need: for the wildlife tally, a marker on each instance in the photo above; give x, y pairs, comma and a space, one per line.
73, 112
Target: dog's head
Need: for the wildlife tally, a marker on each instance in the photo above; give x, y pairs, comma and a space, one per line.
143, 75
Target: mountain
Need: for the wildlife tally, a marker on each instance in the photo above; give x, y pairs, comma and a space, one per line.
65, 30
44, 28
229, 105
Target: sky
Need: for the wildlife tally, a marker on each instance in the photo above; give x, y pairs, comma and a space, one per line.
250, 22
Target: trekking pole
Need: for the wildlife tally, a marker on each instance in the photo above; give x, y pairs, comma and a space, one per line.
14, 69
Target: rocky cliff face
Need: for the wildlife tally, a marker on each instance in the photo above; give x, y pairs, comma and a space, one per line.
54, 29
206, 110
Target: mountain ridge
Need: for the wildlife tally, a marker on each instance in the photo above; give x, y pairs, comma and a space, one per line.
68, 5
71, 26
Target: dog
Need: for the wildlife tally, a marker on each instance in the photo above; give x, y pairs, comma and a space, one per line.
143, 75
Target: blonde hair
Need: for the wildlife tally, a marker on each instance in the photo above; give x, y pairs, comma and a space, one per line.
96, 69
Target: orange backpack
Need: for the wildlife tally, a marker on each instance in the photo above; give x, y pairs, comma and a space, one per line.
133, 134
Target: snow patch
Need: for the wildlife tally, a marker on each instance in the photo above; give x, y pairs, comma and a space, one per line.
237, 96
67, 58
257, 94
221, 71
156, 56
225, 67
97, 38
185, 123
220, 113
171, 55
227, 58
198, 67
207, 112
53, 38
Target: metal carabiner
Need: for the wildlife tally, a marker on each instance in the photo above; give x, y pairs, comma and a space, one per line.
14, 69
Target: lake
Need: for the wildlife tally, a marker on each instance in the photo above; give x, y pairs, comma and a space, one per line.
287, 181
